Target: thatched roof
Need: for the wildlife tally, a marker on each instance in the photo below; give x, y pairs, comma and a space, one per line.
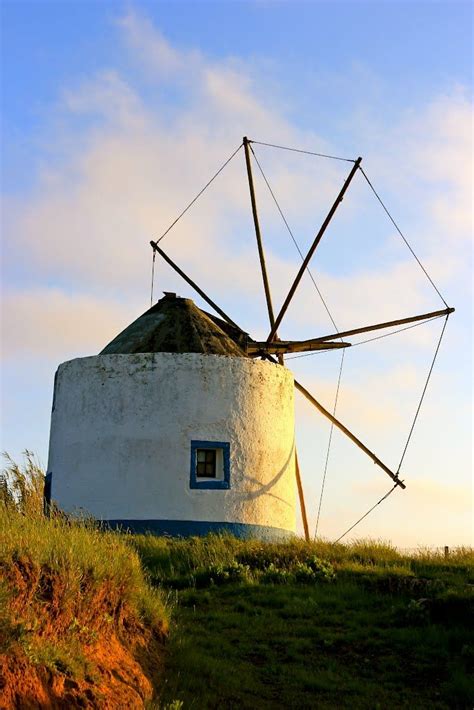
174, 325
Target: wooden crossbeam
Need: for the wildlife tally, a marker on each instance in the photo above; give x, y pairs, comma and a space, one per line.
379, 326
291, 346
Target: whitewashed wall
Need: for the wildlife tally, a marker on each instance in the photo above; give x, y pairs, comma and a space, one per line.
122, 426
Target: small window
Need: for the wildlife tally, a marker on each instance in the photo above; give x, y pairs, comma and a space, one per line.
210, 465
206, 463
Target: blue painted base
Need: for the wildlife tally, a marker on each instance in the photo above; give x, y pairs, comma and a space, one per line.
187, 528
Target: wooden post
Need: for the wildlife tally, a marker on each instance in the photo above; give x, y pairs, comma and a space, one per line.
446, 551
307, 259
348, 433
301, 497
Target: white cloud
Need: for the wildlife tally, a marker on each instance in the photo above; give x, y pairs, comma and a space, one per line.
53, 324
155, 53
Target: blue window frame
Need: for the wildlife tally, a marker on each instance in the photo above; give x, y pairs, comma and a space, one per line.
210, 465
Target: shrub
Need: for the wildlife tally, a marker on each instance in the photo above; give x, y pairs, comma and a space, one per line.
304, 574
322, 569
276, 575
222, 574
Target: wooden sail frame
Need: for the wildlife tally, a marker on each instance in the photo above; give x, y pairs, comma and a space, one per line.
273, 346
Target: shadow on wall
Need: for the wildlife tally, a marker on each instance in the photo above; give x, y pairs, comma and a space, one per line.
266, 488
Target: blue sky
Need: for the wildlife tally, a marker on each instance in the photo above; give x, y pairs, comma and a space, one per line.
114, 116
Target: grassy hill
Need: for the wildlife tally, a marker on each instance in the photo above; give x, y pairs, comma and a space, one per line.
96, 619
314, 625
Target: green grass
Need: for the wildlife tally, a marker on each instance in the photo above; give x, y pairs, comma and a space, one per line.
306, 625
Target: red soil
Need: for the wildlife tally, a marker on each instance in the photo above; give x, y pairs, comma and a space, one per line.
120, 658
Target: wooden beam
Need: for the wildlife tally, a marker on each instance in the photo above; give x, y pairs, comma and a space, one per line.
379, 326
258, 234
261, 253
194, 285
301, 497
291, 346
348, 433
310, 253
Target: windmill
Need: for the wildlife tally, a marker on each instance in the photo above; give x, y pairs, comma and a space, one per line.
273, 348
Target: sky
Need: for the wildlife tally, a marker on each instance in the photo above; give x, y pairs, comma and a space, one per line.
116, 114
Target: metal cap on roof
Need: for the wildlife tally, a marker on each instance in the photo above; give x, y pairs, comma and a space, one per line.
174, 325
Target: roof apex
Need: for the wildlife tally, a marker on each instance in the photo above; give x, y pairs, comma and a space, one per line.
174, 325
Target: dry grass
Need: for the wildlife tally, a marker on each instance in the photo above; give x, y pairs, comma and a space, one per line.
21, 485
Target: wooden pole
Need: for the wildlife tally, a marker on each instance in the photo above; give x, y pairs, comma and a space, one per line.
348, 433
194, 285
310, 253
258, 234
378, 326
301, 497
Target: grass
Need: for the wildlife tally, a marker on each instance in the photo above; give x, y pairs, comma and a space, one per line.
298, 625
254, 625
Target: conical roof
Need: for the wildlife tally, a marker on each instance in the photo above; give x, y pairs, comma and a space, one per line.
174, 325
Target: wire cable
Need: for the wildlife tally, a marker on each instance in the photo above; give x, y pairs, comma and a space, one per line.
402, 236
199, 194
367, 513
423, 394
329, 445
307, 152
409, 435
